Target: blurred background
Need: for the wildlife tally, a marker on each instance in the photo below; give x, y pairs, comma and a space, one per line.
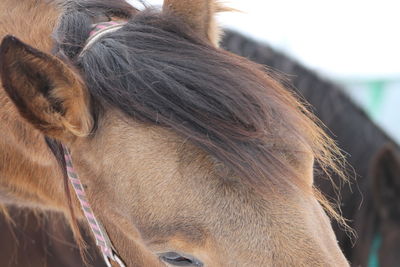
355, 43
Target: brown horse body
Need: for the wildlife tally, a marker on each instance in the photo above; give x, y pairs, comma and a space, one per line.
161, 189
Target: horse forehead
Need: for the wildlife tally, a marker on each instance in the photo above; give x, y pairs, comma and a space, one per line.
167, 162
174, 164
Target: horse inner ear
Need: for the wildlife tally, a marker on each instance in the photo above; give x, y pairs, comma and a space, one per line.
46, 92
199, 15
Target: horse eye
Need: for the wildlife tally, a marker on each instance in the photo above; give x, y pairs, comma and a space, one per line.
176, 259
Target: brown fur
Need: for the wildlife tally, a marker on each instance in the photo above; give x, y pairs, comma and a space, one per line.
29, 174
41, 239
153, 191
24, 153
200, 15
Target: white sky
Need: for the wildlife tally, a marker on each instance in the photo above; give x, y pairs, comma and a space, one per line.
341, 38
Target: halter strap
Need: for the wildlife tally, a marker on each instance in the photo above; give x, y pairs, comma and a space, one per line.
99, 30
99, 233
102, 240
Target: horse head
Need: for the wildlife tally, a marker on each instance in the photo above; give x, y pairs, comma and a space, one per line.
189, 155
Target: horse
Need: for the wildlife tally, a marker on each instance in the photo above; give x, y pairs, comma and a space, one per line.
372, 155
189, 155
380, 233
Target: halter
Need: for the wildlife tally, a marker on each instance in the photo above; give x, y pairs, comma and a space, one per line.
100, 30
99, 233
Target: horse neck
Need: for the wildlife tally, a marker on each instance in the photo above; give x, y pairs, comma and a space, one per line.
29, 174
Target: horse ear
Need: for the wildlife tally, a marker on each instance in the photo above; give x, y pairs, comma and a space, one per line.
199, 15
46, 92
386, 182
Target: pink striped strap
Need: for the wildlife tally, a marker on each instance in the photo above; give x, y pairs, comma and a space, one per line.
99, 30
100, 235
